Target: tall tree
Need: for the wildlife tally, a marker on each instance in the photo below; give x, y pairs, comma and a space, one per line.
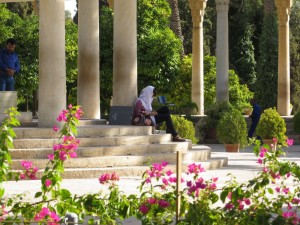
23, 9
267, 69
175, 24
295, 55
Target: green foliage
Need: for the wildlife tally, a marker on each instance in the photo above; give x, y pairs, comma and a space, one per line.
71, 60
6, 142
296, 122
253, 202
271, 125
215, 112
27, 35
232, 128
238, 93
295, 55
184, 127
267, 68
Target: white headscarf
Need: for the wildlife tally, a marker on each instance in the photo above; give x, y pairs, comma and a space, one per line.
146, 97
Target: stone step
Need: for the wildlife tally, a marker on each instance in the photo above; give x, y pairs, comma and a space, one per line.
132, 171
108, 148
42, 153
121, 160
84, 131
93, 142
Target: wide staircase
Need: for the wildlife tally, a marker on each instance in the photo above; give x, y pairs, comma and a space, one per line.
126, 150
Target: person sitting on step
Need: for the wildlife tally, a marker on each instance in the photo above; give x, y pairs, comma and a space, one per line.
144, 115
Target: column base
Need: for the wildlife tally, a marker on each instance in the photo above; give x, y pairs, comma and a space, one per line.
120, 115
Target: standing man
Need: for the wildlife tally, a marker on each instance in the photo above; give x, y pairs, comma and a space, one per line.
255, 117
9, 65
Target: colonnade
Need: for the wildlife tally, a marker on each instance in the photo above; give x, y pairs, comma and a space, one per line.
52, 67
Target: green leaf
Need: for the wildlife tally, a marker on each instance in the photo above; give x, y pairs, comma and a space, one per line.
38, 194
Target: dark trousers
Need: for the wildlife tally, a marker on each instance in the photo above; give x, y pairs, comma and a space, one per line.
165, 116
7, 83
252, 127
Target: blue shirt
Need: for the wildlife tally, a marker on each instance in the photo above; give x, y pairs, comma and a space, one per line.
9, 60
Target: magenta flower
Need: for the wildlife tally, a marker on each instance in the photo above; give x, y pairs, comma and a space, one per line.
260, 161
55, 128
163, 203
144, 209
106, 178
51, 157
169, 172
286, 190
290, 142
229, 206
46, 214
48, 182
152, 201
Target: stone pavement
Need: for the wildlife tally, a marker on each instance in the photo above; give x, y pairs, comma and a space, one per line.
242, 165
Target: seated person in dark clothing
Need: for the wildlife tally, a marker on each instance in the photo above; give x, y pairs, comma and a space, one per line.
255, 117
143, 114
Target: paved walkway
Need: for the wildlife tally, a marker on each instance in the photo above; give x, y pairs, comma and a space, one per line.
242, 165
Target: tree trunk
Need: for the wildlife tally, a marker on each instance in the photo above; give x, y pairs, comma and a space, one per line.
175, 22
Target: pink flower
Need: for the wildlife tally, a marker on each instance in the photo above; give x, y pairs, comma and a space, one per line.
265, 170
70, 106
290, 142
48, 182
26, 164
55, 128
274, 140
172, 179
286, 190
277, 189
195, 168
51, 157
51, 217
229, 206
105, 178
259, 161
152, 201
163, 203
169, 172
144, 209
22, 176
247, 201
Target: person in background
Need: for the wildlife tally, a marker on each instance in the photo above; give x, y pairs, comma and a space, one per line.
9, 66
255, 117
144, 115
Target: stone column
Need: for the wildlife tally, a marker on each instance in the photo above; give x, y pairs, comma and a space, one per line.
197, 9
125, 53
283, 98
88, 84
222, 87
52, 61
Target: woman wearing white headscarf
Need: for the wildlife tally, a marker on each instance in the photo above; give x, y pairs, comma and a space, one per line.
143, 114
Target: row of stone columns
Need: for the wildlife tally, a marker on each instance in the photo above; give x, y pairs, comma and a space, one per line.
52, 67
222, 55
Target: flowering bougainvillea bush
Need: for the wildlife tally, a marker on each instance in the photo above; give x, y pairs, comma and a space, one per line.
266, 199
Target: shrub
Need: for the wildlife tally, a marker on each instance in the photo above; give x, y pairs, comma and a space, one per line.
271, 125
184, 127
215, 112
232, 128
296, 122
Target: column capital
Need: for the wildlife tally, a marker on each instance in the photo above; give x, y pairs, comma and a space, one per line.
197, 10
222, 5
283, 11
